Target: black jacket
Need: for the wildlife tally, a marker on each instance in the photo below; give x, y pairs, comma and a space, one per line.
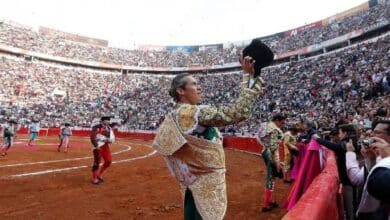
378, 185
307, 137
340, 151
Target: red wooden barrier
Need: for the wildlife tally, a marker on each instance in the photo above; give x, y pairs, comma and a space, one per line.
240, 143
56, 131
248, 144
243, 143
321, 200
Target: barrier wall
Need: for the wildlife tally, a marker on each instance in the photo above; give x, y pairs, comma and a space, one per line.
243, 143
322, 200
239, 143
56, 131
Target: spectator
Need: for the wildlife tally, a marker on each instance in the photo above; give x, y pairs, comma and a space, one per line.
376, 191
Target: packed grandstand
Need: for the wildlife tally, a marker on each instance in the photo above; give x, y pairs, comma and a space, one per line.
338, 65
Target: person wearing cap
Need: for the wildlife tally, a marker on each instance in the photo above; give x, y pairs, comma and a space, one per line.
8, 133
192, 145
290, 148
270, 139
65, 134
100, 138
33, 129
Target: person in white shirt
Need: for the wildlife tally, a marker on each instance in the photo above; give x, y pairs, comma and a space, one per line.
369, 207
65, 134
33, 131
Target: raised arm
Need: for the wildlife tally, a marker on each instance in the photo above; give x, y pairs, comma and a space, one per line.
330, 145
354, 172
239, 110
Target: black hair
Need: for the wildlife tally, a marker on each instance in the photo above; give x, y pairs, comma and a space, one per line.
177, 82
341, 122
349, 128
278, 117
333, 132
105, 118
12, 121
380, 121
381, 112
311, 124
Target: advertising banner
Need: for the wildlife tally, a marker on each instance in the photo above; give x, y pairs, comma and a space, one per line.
187, 49
72, 37
292, 53
209, 47
352, 11
376, 26
147, 47
298, 30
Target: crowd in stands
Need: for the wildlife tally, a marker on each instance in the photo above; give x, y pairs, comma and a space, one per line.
319, 34
351, 82
346, 82
56, 44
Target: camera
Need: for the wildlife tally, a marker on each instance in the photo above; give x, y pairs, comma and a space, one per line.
352, 136
367, 142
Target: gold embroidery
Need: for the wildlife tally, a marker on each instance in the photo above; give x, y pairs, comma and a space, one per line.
186, 117
289, 142
208, 191
202, 155
239, 110
168, 139
210, 195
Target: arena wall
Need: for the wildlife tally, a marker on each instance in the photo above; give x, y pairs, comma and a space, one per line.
323, 198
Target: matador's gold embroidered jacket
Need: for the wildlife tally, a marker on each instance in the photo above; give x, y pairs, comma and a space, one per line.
192, 147
290, 143
275, 135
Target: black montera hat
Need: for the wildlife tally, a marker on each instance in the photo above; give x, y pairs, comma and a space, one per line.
12, 121
278, 116
104, 118
114, 124
334, 132
259, 52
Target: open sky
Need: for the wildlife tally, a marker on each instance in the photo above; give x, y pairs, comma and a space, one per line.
126, 23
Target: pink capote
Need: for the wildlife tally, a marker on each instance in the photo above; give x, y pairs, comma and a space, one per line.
298, 160
308, 170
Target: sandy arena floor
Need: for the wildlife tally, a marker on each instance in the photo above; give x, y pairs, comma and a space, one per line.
41, 183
